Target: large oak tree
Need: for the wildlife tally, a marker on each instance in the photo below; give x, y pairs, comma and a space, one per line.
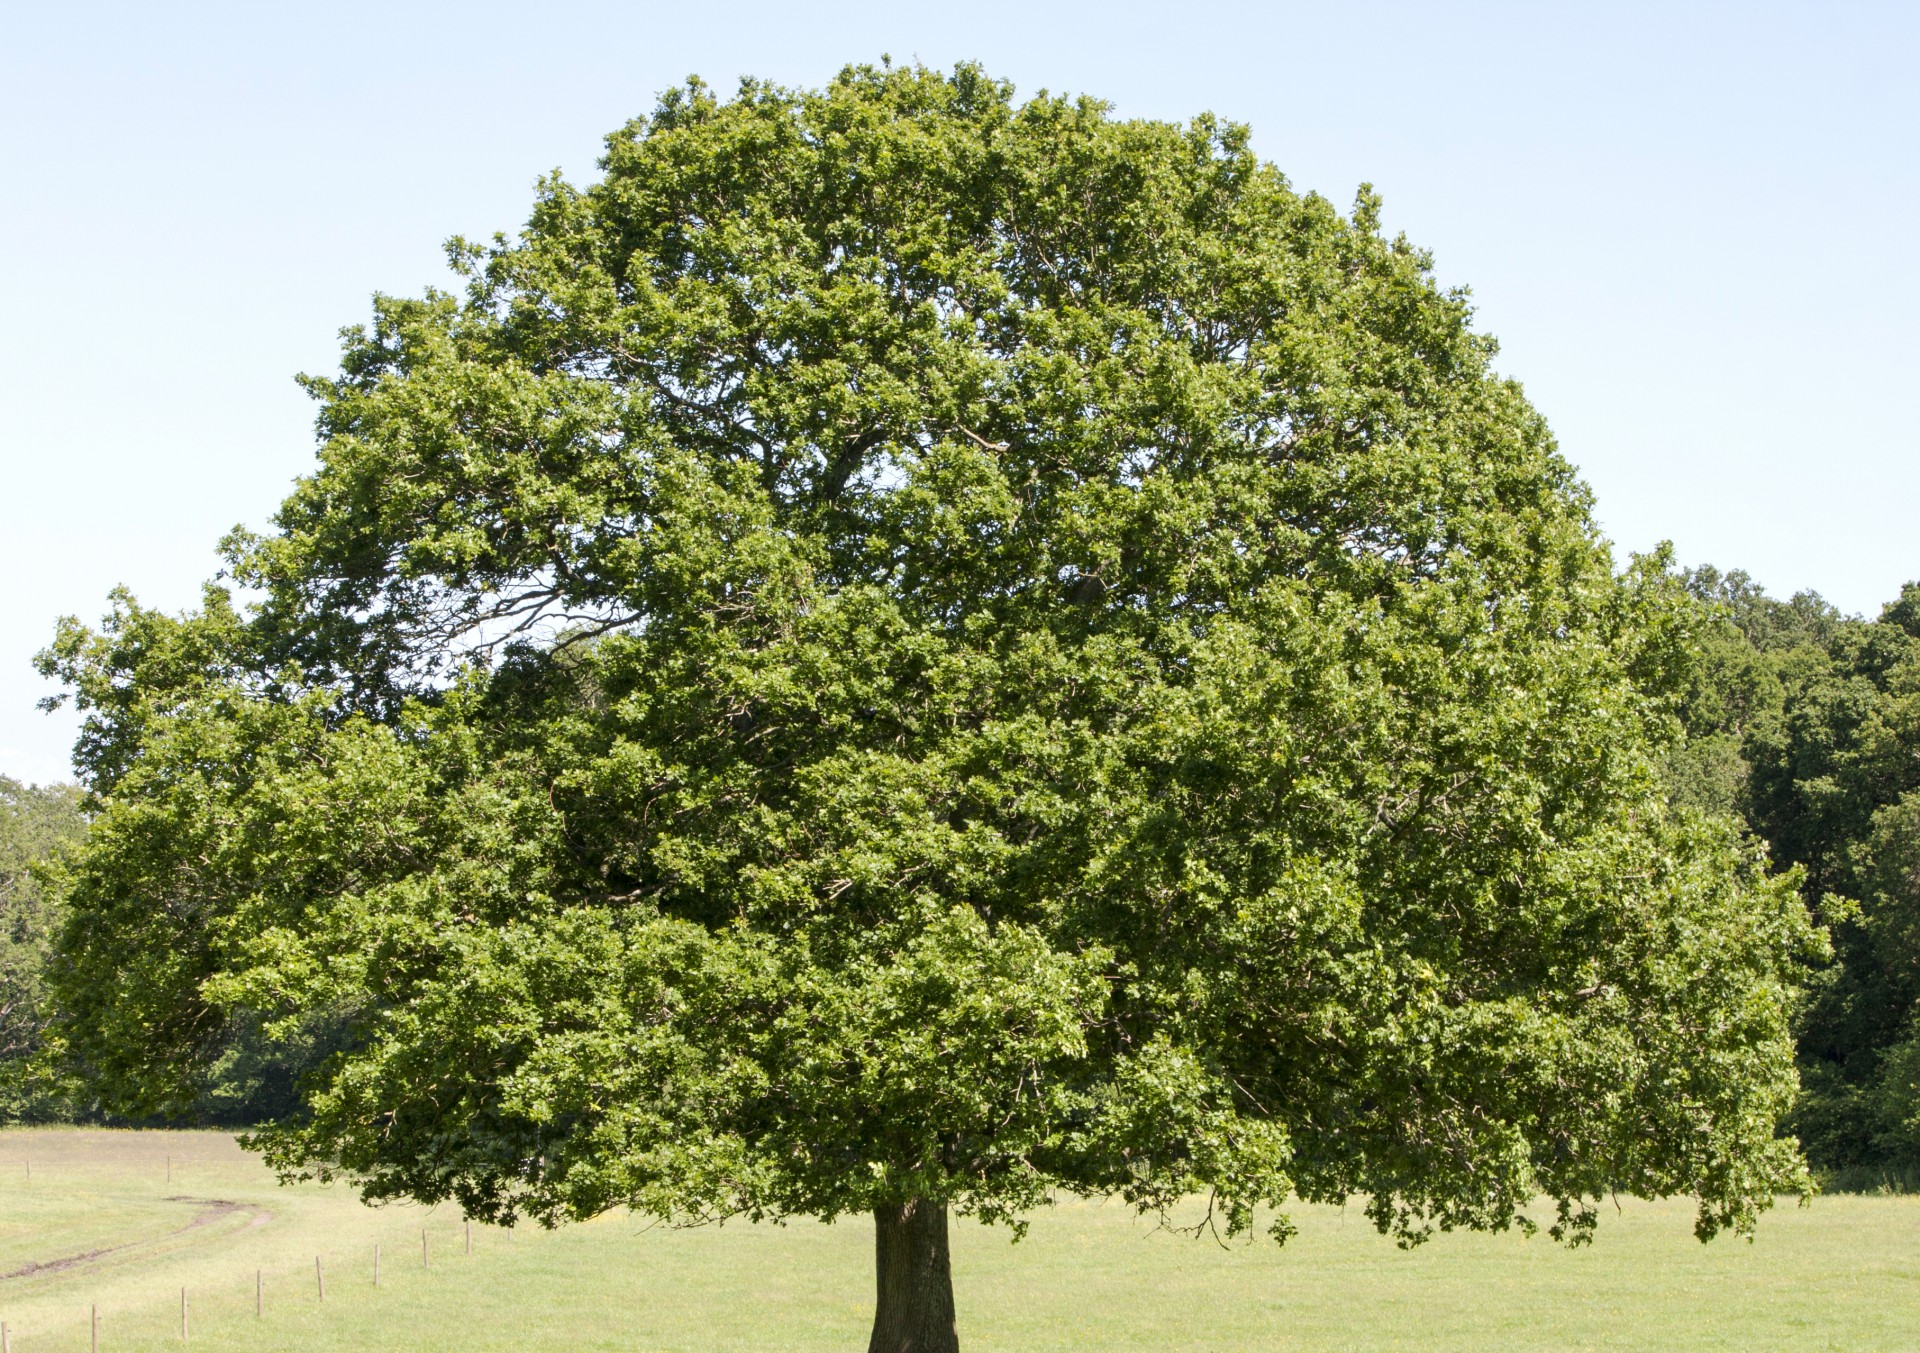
908, 651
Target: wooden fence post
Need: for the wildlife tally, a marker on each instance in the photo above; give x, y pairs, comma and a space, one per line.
424, 1261
469, 1237
376, 1263
183, 1315
93, 1316
320, 1277
259, 1293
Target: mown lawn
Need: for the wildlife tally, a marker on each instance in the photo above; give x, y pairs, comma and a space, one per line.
1843, 1273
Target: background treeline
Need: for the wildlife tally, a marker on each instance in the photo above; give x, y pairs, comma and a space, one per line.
252, 1081
1806, 724
1802, 722
34, 823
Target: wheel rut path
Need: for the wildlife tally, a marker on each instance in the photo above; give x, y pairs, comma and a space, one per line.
211, 1210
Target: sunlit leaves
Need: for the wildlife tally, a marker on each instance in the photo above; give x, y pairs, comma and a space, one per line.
905, 644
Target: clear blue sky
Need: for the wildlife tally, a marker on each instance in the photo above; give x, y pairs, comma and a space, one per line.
1692, 228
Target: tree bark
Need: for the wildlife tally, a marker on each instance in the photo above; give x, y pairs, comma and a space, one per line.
914, 1313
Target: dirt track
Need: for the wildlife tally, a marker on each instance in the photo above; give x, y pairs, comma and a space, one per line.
211, 1210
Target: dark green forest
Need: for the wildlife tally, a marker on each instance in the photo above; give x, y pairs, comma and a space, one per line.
1800, 721
1805, 724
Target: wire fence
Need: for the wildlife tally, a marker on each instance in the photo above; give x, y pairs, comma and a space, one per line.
100, 1317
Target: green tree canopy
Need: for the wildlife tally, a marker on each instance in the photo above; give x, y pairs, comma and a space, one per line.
1815, 716
35, 822
906, 651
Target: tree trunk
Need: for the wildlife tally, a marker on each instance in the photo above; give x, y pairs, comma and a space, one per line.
914, 1313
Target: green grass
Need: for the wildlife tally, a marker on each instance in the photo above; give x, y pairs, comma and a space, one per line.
1843, 1273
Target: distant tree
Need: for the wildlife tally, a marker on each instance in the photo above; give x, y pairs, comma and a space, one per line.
905, 652
35, 822
1729, 685
1745, 652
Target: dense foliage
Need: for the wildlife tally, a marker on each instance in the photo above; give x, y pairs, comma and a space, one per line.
1806, 723
35, 822
910, 648
244, 1079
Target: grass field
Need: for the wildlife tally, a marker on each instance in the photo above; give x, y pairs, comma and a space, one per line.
100, 1223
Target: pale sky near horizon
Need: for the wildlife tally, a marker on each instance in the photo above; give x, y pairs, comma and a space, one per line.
1692, 228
